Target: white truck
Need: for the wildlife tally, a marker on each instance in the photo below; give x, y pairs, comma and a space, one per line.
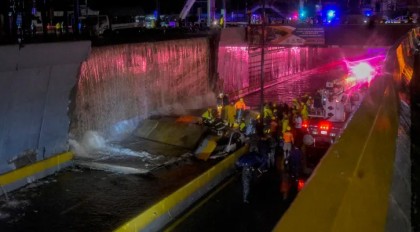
336, 103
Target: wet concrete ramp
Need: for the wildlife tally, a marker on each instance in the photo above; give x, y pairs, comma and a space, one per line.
169, 131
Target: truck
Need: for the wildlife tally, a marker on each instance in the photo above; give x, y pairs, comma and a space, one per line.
333, 106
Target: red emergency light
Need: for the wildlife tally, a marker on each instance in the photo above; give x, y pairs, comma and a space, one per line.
324, 125
305, 124
301, 184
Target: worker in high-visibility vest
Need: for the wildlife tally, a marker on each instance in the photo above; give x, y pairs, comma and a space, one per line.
208, 116
288, 141
240, 108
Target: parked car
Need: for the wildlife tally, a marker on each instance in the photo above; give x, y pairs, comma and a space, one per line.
399, 19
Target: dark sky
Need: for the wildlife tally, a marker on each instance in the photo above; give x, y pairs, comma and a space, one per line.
166, 6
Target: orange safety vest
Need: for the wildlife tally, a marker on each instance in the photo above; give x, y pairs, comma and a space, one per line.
288, 137
240, 105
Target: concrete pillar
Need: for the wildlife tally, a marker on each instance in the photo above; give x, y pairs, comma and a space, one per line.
211, 7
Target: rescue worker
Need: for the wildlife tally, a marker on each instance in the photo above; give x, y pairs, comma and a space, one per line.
250, 127
288, 141
58, 28
310, 104
295, 105
284, 122
242, 126
208, 116
274, 128
298, 130
240, 108
318, 102
248, 163
304, 112
275, 110
268, 113
229, 114
219, 102
293, 169
264, 149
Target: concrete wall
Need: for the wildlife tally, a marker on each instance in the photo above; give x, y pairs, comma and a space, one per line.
340, 35
120, 85
35, 85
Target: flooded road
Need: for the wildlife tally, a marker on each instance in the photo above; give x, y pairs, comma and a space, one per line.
295, 86
78, 199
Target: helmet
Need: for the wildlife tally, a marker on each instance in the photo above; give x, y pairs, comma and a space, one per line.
288, 128
273, 118
241, 99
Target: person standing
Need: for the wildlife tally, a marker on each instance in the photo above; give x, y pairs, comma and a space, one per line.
229, 113
298, 129
284, 123
288, 141
240, 108
248, 163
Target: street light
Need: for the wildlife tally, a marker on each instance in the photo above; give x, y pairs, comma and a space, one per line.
262, 62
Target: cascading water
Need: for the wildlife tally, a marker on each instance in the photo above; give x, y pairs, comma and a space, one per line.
240, 69
122, 84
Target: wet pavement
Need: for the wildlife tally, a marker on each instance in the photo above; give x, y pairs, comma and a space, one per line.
224, 210
79, 199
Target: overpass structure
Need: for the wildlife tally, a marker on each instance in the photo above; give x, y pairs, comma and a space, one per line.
362, 184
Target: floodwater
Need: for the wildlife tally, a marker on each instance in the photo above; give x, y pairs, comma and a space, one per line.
78, 199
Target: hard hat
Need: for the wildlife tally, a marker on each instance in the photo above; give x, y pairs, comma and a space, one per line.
294, 99
288, 128
273, 118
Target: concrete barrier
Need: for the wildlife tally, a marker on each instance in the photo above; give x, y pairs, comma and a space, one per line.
161, 213
168, 131
28, 174
350, 188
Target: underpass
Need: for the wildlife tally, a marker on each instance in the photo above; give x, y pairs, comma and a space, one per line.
70, 207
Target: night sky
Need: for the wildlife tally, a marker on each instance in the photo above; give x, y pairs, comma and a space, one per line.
166, 6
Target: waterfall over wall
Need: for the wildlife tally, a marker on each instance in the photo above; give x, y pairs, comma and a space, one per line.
239, 67
122, 84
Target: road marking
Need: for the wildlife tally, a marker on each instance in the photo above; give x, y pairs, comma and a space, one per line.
200, 204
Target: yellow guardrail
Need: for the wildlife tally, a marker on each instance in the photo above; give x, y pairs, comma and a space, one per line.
27, 171
144, 219
349, 190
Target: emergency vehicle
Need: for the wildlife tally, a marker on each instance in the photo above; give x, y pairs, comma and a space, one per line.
336, 104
